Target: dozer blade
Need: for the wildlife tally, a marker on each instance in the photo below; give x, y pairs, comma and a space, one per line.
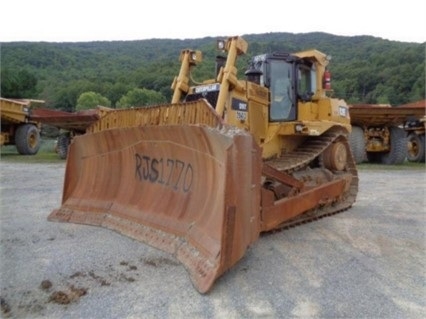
190, 190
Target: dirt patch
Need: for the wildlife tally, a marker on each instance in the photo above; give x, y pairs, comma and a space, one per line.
66, 297
156, 262
46, 285
5, 307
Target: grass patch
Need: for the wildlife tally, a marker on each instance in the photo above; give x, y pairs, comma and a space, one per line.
46, 154
404, 166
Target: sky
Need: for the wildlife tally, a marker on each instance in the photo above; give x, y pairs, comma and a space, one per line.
110, 20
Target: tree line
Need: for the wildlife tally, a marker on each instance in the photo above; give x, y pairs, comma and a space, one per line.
69, 76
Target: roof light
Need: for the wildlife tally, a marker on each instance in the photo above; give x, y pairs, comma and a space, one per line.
221, 45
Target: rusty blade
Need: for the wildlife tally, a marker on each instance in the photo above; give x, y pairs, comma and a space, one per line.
192, 191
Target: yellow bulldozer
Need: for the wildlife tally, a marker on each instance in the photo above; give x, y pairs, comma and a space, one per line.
201, 178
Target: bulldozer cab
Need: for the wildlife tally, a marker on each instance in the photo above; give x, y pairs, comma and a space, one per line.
281, 74
290, 79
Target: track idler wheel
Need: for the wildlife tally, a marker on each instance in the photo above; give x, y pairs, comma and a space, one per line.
335, 156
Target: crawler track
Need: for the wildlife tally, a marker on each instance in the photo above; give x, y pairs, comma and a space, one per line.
299, 160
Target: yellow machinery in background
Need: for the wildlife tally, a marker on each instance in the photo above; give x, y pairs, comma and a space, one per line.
17, 127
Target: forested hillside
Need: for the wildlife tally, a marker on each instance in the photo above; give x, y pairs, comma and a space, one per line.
364, 69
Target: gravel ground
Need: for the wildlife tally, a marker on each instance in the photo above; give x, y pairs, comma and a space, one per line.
368, 262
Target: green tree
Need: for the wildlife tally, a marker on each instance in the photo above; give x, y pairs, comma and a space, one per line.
90, 100
18, 84
140, 97
114, 91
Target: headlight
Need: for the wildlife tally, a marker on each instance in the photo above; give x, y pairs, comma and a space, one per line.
221, 45
299, 127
